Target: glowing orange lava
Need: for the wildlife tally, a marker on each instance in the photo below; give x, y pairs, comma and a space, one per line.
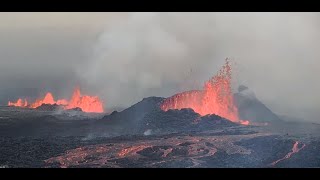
86, 103
48, 99
295, 149
19, 103
215, 98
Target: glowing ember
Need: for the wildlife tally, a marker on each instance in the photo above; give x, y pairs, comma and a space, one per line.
215, 98
244, 122
86, 103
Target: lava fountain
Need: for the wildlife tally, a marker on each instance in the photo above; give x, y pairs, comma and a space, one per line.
215, 98
48, 99
85, 102
20, 103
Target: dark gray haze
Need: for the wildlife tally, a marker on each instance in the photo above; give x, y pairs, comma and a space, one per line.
124, 57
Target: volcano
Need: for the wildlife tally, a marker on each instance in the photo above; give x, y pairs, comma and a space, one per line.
251, 108
215, 98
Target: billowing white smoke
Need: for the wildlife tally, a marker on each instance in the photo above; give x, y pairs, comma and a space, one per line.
162, 53
151, 54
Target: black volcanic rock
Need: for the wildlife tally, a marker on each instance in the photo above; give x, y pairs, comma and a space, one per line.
169, 121
77, 109
136, 112
215, 120
127, 121
114, 112
250, 108
184, 120
55, 107
147, 116
49, 107
242, 88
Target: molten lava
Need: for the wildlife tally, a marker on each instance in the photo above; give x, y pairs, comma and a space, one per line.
19, 103
48, 99
215, 98
86, 103
295, 149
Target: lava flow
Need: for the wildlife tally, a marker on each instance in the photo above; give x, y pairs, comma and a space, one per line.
215, 98
86, 103
295, 149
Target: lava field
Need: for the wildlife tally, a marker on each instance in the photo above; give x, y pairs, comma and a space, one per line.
146, 136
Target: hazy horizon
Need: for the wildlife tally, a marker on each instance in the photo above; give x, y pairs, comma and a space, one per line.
124, 57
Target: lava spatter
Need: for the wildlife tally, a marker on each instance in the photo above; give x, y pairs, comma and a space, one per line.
85, 102
19, 103
215, 98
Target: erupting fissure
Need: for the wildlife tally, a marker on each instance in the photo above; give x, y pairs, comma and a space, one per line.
86, 103
215, 98
20, 103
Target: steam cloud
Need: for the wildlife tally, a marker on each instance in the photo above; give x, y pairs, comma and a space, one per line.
150, 54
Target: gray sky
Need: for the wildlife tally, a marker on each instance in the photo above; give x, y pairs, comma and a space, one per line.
124, 57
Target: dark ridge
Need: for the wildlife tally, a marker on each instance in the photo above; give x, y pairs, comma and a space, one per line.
137, 111
147, 115
250, 108
113, 113
184, 120
49, 107
75, 109
55, 107
242, 88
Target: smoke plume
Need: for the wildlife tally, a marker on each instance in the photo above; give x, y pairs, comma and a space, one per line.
124, 57
275, 55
